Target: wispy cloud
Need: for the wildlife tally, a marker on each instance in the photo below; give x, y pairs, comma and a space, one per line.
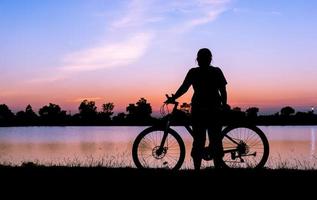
136, 14
140, 15
53, 77
134, 30
207, 18
198, 12
102, 56
109, 54
184, 14
88, 99
259, 12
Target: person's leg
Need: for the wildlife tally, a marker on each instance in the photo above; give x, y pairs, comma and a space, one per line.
215, 143
198, 145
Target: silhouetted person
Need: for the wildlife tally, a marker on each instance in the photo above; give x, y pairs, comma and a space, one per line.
209, 97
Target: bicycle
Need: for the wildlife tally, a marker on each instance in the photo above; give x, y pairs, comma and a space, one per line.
159, 146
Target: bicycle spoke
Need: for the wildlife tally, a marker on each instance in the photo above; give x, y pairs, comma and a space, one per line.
151, 142
174, 159
249, 150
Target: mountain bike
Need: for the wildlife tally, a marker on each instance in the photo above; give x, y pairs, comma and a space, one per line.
160, 146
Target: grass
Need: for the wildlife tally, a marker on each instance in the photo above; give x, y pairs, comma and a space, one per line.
108, 161
30, 167
292, 163
120, 168
123, 160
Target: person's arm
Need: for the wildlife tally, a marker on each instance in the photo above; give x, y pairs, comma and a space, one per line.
184, 87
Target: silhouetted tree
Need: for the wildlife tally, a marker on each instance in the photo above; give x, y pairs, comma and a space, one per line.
119, 118
287, 111
131, 109
105, 115
88, 110
108, 108
28, 116
29, 113
5, 112
76, 119
20, 115
252, 112
6, 115
52, 113
139, 112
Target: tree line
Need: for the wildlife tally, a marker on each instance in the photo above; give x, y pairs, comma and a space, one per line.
140, 113
52, 114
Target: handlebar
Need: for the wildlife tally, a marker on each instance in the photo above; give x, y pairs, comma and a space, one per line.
170, 99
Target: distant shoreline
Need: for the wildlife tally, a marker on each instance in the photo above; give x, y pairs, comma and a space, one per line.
140, 114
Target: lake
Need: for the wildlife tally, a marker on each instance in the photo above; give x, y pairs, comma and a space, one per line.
290, 146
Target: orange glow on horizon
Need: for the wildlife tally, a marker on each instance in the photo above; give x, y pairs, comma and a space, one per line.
69, 99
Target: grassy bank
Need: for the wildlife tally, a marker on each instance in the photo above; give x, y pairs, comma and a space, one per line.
114, 174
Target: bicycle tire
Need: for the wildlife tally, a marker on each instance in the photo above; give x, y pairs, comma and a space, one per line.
144, 133
262, 138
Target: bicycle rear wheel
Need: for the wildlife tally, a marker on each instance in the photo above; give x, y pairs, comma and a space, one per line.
146, 151
244, 147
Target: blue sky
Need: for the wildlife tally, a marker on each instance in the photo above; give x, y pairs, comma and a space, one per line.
65, 51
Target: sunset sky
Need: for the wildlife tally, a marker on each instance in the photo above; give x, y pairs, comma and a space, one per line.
118, 51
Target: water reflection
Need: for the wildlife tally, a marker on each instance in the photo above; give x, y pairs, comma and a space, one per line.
112, 145
313, 143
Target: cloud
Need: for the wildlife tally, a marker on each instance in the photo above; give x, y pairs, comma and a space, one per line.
255, 12
183, 14
200, 12
53, 77
109, 54
138, 13
88, 99
102, 56
133, 15
135, 30
209, 17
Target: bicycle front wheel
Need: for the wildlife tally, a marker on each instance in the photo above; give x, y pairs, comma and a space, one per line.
244, 147
146, 151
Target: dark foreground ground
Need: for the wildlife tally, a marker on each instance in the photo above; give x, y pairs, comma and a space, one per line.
160, 183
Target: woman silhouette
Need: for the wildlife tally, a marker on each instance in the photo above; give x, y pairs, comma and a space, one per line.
210, 96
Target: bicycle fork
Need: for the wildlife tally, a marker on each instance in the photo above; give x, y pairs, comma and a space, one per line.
161, 148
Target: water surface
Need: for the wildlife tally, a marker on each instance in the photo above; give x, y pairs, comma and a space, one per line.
290, 146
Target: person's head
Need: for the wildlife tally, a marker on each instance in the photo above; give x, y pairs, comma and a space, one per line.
204, 57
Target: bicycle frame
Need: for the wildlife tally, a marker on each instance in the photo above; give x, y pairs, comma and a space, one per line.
189, 129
